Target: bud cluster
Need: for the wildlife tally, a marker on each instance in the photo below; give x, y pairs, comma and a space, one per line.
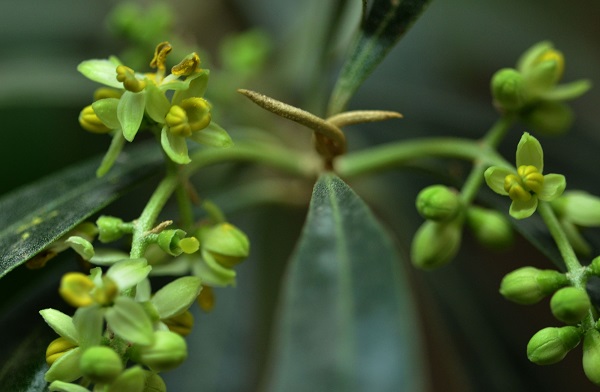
438, 239
531, 91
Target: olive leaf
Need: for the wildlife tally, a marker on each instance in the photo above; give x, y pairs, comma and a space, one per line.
346, 322
35, 216
382, 26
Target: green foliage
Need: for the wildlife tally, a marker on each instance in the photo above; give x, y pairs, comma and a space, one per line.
39, 214
347, 318
346, 321
384, 24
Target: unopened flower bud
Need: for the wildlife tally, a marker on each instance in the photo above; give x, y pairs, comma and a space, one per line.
591, 355
227, 244
438, 203
110, 228
542, 67
131, 380
549, 118
435, 244
507, 89
570, 305
490, 227
578, 207
550, 345
154, 383
168, 351
57, 348
100, 364
528, 285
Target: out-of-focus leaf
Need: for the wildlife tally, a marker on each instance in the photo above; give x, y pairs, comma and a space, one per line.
346, 321
384, 24
25, 369
35, 216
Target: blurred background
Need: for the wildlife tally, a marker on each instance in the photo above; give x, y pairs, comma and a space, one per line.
438, 77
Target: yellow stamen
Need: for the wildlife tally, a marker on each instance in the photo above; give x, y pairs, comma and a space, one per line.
206, 299
126, 76
177, 121
75, 288
90, 121
181, 324
187, 66
57, 348
531, 177
160, 55
514, 187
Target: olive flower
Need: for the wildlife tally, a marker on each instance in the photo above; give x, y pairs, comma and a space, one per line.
527, 184
180, 118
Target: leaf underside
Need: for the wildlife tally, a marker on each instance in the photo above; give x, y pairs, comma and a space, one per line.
346, 319
35, 216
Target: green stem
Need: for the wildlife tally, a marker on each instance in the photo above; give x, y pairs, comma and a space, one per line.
576, 273
574, 268
396, 154
283, 159
150, 213
186, 213
489, 143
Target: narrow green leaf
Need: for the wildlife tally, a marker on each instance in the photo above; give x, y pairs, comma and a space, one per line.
35, 216
386, 22
346, 319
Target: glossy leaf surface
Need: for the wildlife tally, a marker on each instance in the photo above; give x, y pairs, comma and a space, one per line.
346, 320
35, 216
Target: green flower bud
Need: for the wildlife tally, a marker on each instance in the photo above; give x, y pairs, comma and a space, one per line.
507, 89
57, 348
227, 244
528, 285
595, 266
154, 383
490, 227
110, 228
578, 207
542, 67
174, 242
570, 305
549, 118
131, 380
168, 351
435, 244
591, 356
550, 345
100, 364
438, 203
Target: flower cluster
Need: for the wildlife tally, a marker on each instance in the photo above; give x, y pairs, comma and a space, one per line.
570, 304
132, 101
119, 321
531, 91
